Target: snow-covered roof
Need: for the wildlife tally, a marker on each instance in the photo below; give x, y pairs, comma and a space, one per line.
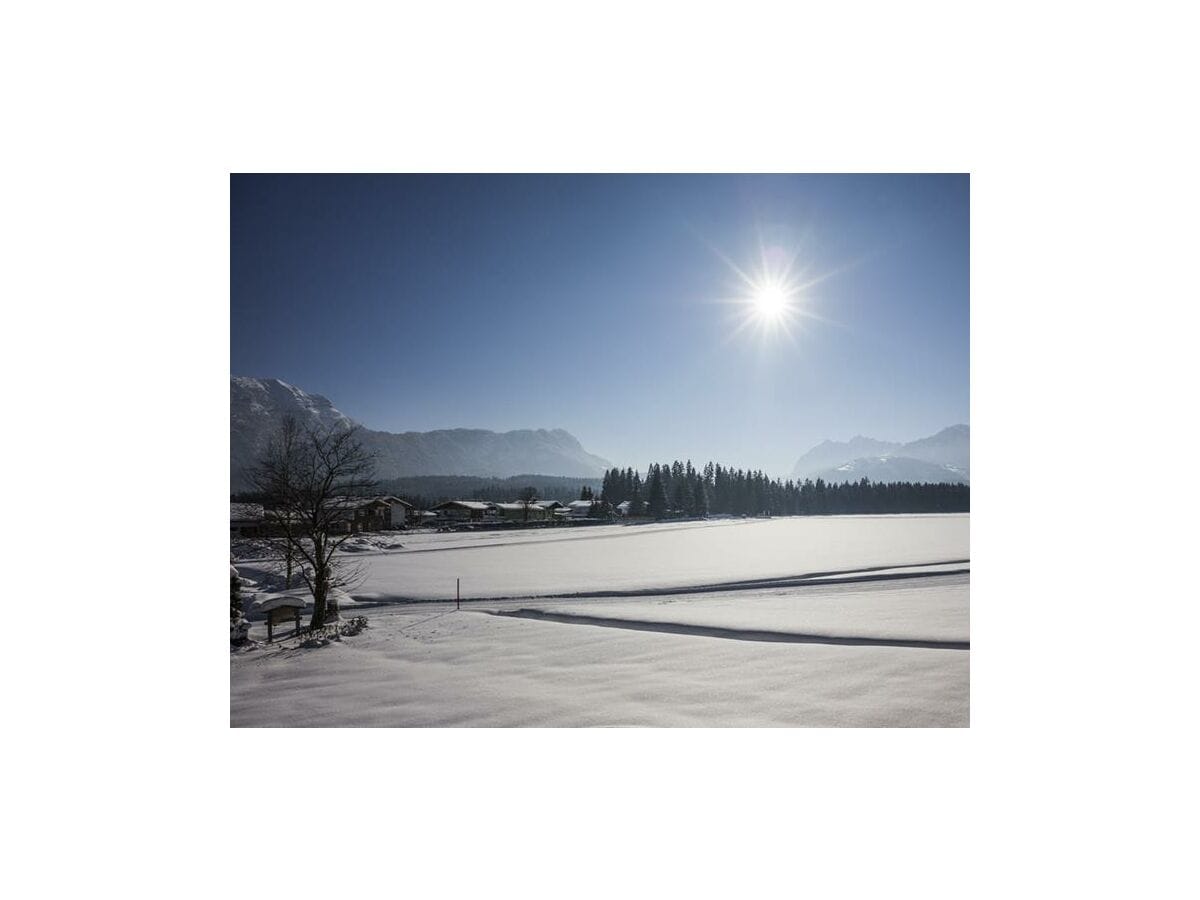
245, 512
267, 602
388, 498
515, 507
354, 502
580, 504
625, 504
467, 504
296, 598
548, 504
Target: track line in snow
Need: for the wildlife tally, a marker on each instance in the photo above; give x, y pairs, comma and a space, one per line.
844, 576
736, 634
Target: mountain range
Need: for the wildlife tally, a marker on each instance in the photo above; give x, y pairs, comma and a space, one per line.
257, 406
945, 456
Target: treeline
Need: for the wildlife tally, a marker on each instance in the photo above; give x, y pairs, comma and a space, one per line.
678, 489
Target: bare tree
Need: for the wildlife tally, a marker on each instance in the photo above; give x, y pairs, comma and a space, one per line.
528, 498
312, 480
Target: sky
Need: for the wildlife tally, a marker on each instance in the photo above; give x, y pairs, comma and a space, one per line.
620, 308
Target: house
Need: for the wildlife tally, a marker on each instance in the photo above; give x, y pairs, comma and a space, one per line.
246, 519
579, 509
516, 512
467, 511
551, 506
356, 514
623, 507
401, 510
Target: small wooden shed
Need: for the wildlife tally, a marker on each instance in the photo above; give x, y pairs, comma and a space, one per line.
279, 610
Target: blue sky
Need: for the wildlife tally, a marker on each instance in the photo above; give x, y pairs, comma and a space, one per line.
610, 306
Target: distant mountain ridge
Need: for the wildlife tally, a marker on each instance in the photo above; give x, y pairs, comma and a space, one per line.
945, 456
257, 406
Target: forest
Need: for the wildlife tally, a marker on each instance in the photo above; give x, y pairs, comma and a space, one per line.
679, 489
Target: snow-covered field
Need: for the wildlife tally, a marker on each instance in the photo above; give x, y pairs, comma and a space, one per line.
818, 652
548, 562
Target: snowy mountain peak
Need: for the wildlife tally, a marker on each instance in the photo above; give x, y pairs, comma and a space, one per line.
944, 456
255, 397
258, 406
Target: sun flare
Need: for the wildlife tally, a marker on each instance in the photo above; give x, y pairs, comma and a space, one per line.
770, 301
773, 298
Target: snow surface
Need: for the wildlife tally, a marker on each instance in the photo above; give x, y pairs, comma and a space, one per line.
549, 562
938, 610
472, 668
879, 653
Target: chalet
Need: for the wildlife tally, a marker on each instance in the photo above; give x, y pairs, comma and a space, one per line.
362, 513
401, 511
551, 506
516, 512
579, 509
467, 511
246, 520
624, 507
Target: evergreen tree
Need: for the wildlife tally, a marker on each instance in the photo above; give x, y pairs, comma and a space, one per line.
658, 494
235, 600
681, 497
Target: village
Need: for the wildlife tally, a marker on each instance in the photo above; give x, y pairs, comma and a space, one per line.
390, 513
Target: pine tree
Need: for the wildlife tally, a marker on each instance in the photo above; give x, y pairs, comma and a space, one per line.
681, 497
658, 494
636, 503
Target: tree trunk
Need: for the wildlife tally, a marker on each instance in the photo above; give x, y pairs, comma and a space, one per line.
320, 584
320, 597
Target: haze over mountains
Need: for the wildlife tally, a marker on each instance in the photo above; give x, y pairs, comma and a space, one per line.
945, 456
257, 406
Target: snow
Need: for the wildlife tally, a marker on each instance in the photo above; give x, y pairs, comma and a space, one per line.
299, 598
888, 652
937, 611
548, 562
265, 602
472, 668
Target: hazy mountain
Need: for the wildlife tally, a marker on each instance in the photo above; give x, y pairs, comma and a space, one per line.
258, 405
945, 456
950, 446
828, 454
892, 468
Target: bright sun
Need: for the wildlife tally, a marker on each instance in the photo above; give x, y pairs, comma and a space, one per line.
771, 298
770, 301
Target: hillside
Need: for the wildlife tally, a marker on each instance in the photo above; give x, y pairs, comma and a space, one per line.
257, 406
